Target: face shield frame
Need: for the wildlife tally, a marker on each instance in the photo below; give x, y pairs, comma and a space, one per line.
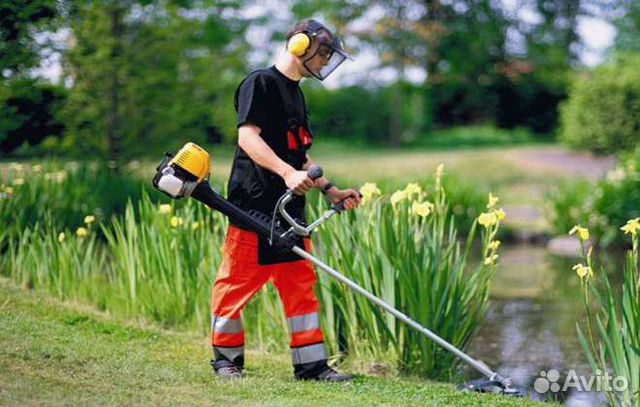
329, 47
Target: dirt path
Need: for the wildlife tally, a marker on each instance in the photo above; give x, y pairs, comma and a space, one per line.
560, 160
528, 220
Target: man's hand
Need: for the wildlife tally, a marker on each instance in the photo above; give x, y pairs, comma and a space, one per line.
351, 197
298, 181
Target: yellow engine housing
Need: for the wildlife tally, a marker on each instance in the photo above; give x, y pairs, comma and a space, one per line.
194, 159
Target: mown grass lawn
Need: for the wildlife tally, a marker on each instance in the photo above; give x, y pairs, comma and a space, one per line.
54, 353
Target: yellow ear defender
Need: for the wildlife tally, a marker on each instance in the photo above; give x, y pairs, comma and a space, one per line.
298, 44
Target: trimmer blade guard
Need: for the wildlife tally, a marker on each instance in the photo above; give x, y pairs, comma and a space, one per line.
495, 387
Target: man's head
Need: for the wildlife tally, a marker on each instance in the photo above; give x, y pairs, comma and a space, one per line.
317, 51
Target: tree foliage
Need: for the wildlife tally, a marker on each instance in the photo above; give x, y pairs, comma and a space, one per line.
628, 25
28, 106
28, 113
474, 72
20, 20
151, 73
147, 73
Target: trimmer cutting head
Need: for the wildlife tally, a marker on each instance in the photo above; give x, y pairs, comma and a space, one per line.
495, 387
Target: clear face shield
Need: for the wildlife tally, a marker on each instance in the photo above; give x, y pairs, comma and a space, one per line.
328, 56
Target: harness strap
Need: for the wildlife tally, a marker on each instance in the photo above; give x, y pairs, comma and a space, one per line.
292, 119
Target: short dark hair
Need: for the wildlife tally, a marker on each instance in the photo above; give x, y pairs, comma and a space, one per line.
304, 26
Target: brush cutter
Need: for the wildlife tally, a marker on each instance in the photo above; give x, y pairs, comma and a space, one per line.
186, 175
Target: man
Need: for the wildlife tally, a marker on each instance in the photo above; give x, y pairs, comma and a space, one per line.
273, 139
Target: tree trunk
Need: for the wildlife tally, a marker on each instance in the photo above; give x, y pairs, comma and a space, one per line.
432, 19
114, 135
395, 121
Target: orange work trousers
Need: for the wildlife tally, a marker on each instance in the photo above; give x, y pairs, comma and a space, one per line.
240, 277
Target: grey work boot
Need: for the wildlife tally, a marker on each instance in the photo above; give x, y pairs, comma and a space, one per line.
331, 375
226, 369
327, 375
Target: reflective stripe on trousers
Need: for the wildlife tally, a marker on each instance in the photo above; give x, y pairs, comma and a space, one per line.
303, 322
226, 325
308, 354
228, 335
304, 329
227, 331
235, 355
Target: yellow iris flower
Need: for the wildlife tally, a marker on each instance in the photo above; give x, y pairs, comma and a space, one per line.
397, 197
487, 219
494, 245
412, 189
176, 221
583, 233
583, 271
422, 209
369, 191
493, 200
632, 227
490, 260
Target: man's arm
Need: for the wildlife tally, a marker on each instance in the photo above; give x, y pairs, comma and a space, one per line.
320, 182
259, 151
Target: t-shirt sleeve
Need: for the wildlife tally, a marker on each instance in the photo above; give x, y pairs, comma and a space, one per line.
251, 101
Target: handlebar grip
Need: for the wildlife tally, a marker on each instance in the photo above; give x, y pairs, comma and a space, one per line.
315, 172
339, 207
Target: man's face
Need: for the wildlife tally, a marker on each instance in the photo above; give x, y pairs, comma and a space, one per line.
320, 57
319, 61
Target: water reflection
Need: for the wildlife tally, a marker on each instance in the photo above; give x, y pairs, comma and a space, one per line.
531, 323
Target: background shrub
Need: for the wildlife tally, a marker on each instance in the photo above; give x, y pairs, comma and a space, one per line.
602, 113
603, 207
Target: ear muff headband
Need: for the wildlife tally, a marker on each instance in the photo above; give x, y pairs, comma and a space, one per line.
299, 43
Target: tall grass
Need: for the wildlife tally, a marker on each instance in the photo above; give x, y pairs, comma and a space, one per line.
65, 264
610, 338
158, 261
163, 261
61, 194
410, 257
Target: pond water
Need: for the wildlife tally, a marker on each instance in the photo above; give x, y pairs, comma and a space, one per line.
531, 323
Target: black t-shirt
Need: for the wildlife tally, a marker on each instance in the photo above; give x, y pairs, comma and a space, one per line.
258, 102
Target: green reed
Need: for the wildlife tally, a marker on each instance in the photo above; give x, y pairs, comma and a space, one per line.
405, 249
610, 337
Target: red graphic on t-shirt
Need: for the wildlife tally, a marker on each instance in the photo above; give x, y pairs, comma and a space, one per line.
303, 135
